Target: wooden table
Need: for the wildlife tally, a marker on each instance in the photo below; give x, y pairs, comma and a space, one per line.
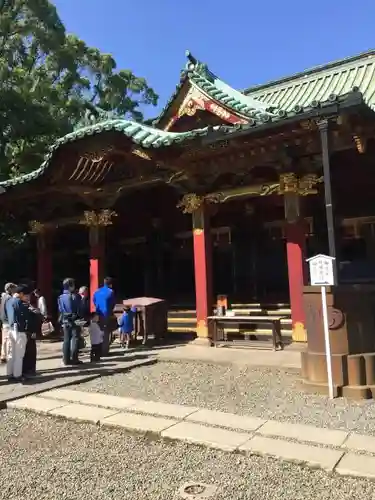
219, 336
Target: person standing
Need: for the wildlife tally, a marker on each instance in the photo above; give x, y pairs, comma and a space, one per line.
85, 302
96, 338
126, 326
17, 313
69, 307
41, 304
9, 290
33, 328
104, 302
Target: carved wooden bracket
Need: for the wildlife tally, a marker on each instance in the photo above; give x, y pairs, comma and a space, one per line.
37, 227
190, 203
102, 218
290, 183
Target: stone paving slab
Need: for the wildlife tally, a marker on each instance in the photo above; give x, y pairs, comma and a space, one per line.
295, 452
223, 419
134, 422
208, 436
122, 403
302, 432
357, 465
82, 412
163, 409
37, 404
185, 429
360, 442
91, 398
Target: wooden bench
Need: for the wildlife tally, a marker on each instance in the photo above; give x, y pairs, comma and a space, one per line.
220, 337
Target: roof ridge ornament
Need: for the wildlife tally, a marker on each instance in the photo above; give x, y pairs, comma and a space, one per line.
194, 64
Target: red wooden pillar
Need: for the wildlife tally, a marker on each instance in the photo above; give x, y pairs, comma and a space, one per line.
97, 256
202, 272
44, 265
297, 270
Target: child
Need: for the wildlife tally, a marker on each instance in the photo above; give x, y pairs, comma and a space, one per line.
96, 338
126, 324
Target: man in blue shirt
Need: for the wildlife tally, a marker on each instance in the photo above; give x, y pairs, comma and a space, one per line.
104, 302
69, 307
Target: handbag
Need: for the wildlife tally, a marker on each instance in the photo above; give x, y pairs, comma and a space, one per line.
47, 328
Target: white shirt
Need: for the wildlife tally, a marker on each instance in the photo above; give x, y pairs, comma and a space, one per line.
4, 296
96, 334
42, 306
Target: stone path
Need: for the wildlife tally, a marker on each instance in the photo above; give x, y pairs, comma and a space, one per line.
343, 452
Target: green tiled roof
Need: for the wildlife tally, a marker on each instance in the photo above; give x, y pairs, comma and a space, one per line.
144, 135
200, 76
262, 105
206, 81
319, 83
292, 94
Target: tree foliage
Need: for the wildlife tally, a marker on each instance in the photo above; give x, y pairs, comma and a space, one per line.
49, 80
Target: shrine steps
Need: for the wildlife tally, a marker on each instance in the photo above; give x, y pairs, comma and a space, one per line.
183, 320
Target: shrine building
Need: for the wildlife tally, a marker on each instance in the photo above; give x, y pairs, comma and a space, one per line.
227, 192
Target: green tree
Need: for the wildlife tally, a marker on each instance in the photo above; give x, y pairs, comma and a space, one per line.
49, 80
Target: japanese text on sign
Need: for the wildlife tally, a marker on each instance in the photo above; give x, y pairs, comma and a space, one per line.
321, 271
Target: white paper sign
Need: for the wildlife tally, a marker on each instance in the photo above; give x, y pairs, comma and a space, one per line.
321, 270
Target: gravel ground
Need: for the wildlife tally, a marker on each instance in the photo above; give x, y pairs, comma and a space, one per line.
45, 458
266, 393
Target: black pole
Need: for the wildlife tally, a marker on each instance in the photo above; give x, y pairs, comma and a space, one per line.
323, 127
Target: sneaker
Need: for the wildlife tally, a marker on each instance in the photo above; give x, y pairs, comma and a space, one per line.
77, 362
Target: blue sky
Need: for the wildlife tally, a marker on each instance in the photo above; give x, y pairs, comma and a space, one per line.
244, 42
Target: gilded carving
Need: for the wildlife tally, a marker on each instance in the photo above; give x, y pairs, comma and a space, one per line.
268, 189
105, 217
308, 124
307, 184
190, 203
360, 143
141, 153
288, 183
94, 219
36, 227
